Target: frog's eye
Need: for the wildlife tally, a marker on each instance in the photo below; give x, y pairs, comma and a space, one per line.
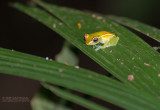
95, 39
86, 36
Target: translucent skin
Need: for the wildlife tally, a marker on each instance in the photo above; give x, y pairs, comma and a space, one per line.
107, 39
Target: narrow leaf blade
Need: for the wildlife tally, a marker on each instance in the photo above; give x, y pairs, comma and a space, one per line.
73, 98
149, 31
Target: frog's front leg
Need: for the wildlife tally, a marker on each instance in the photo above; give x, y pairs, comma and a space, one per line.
97, 48
104, 46
112, 42
101, 47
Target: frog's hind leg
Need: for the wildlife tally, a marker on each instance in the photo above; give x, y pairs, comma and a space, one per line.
113, 41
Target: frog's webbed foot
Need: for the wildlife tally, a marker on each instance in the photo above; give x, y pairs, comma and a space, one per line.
98, 46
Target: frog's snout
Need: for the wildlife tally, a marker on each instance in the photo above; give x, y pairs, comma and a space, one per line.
90, 43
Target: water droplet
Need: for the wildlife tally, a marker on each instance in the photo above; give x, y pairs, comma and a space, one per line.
47, 58
118, 59
77, 67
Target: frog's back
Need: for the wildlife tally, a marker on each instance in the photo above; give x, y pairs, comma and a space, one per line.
97, 34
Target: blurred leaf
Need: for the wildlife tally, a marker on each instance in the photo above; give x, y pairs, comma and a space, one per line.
73, 98
67, 55
43, 101
149, 31
28, 66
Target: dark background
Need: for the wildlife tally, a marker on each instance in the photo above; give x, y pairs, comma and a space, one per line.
22, 33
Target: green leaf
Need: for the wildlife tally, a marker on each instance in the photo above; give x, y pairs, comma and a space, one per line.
131, 56
28, 66
73, 98
149, 31
43, 101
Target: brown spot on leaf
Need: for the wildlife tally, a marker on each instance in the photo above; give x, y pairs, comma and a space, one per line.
79, 25
154, 30
90, 76
66, 63
60, 23
60, 70
122, 63
130, 77
99, 17
54, 25
103, 20
93, 15
146, 64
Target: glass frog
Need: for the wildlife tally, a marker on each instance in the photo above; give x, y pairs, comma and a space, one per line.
101, 39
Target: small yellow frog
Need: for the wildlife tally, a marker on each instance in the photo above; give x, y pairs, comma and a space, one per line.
101, 39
